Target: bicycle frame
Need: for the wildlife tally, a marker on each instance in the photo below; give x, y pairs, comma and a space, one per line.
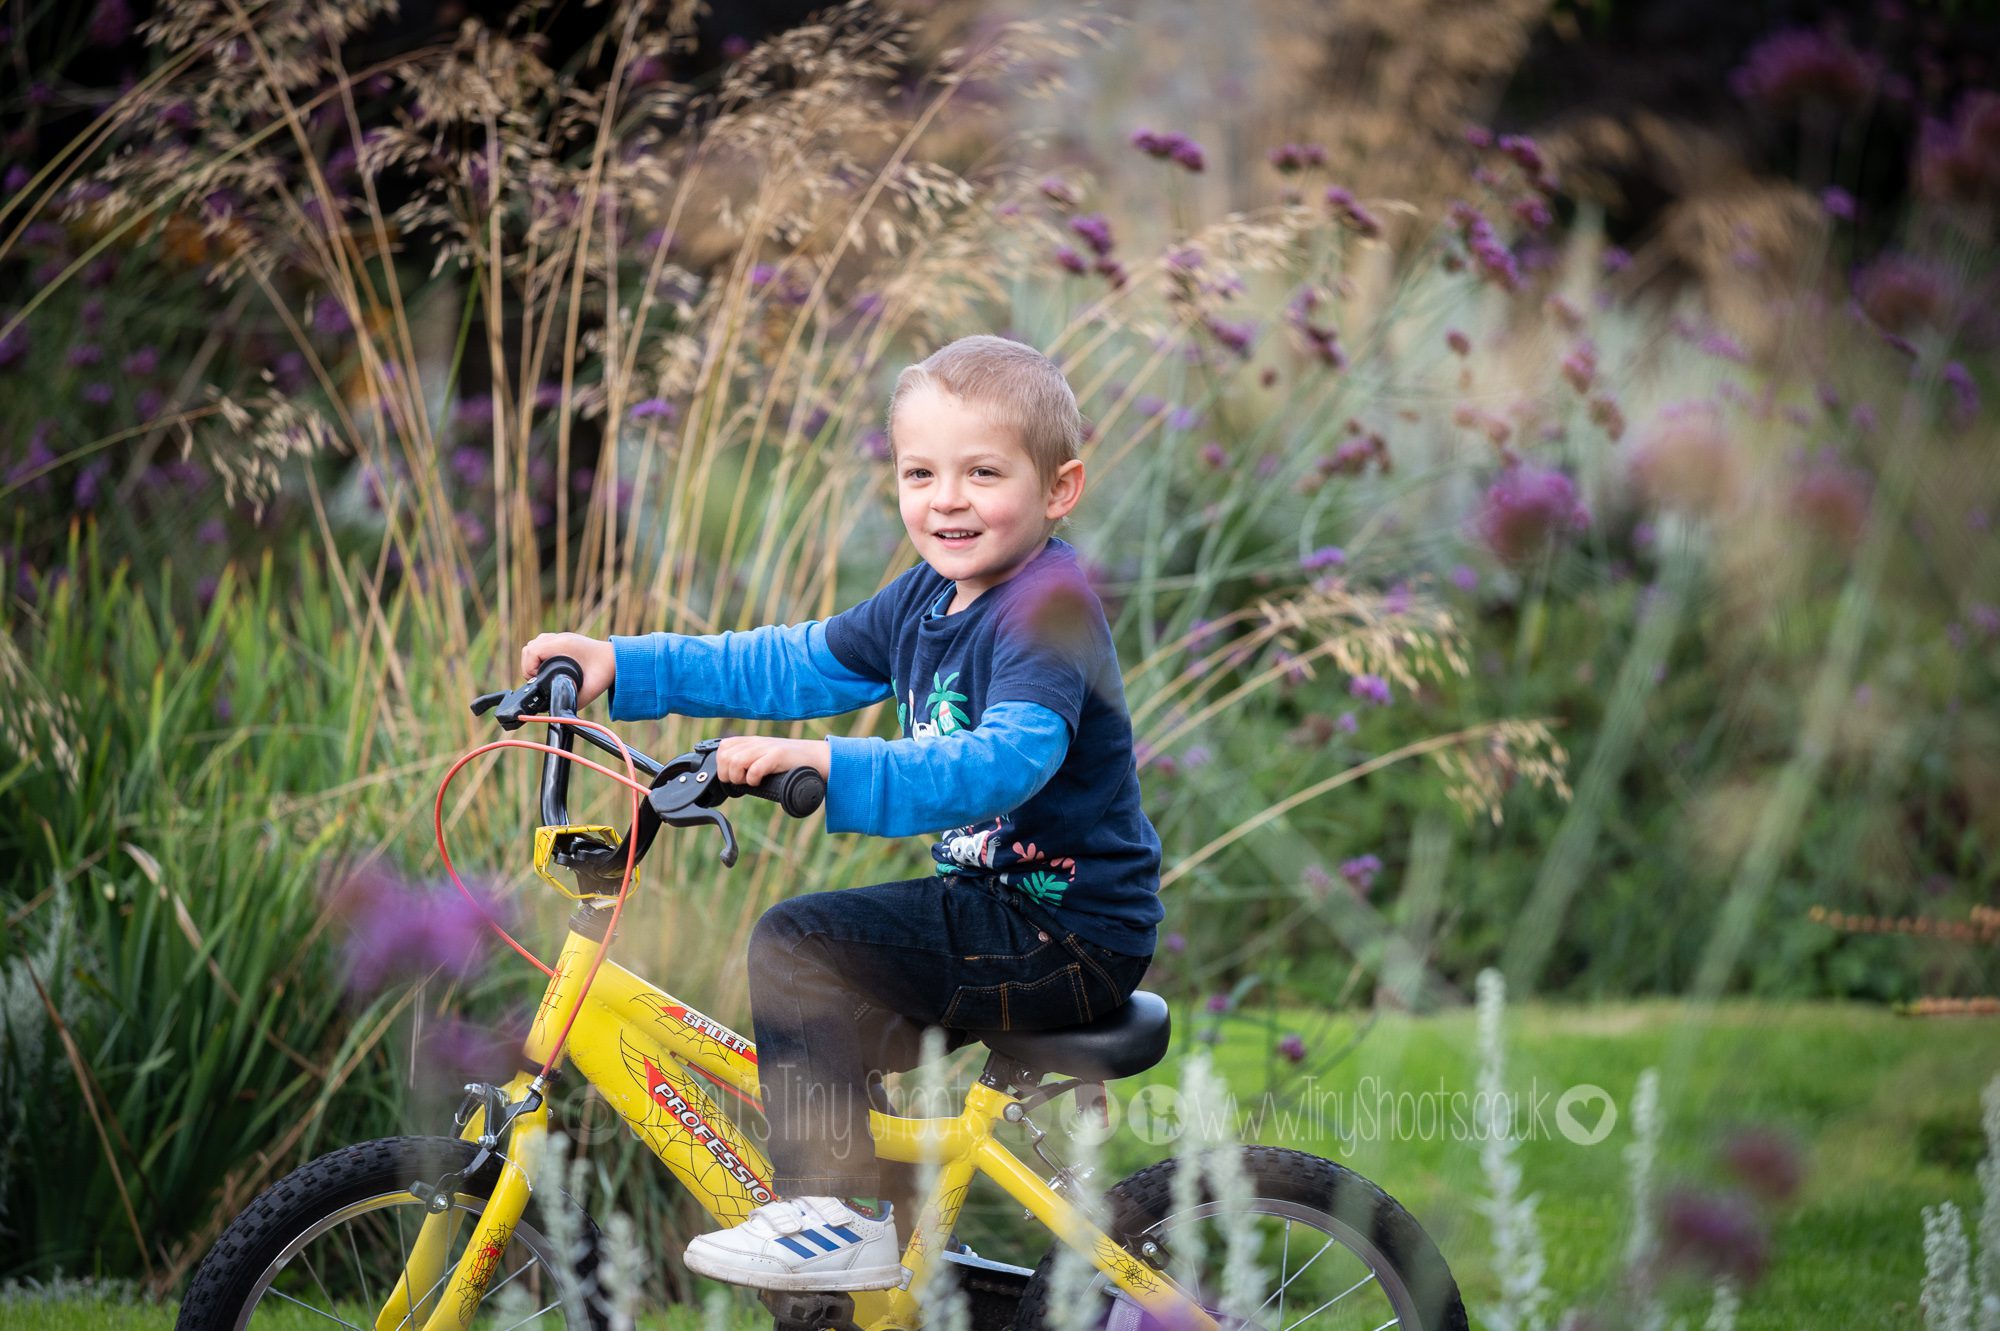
635, 1044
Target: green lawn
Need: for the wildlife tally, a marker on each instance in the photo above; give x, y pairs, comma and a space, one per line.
1885, 1108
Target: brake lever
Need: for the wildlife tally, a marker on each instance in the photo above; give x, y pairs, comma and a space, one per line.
684, 795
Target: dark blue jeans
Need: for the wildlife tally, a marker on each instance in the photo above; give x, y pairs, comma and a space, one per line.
844, 983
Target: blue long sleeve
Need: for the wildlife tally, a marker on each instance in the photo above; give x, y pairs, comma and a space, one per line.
905, 787
780, 672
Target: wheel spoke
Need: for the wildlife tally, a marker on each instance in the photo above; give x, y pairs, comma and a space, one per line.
1285, 1258
314, 1273
510, 1279
1393, 1321
320, 1311
1278, 1293
533, 1315
360, 1279
1336, 1299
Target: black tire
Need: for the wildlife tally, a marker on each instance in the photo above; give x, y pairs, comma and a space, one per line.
1376, 1234
337, 1204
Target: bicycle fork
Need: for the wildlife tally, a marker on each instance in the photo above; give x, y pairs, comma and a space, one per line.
428, 1298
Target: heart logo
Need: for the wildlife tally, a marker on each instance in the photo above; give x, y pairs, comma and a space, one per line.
1596, 1104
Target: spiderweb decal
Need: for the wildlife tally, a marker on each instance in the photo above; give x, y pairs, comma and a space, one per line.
701, 1145
715, 1045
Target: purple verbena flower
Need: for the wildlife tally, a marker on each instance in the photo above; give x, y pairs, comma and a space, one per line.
142, 362
1325, 557
1292, 1048
1526, 509
1214, 456
1371, 689
1464, 577
1360, 873
652, 407
1716, 1234
1237, 336
1839, 204
1350, 211
1293, 157
1057, 191
1792, 68
1095, 229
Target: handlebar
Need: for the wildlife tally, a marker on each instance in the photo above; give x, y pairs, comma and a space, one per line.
685, 791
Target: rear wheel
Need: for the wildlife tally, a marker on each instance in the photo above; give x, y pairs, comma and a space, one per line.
327, 1244
1333, 1252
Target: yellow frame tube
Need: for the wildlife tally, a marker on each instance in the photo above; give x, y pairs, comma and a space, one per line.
455, 1304
631, 1041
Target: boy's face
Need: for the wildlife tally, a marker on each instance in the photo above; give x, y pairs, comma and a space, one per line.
970, 497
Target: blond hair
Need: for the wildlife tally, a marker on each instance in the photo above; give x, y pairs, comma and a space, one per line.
1018, 384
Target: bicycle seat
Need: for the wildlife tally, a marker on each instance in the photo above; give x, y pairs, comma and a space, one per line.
1119, 1044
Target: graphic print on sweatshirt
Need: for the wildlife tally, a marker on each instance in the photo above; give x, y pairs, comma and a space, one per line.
989, 846
1080, 842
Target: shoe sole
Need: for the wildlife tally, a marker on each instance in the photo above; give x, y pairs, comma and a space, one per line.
832, 1282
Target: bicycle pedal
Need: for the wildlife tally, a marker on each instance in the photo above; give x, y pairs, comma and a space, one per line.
809, 1310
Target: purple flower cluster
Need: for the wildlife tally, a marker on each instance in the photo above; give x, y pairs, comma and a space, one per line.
398, 930
1526, 510
1833, 498
651, 408
1176, 148
1353, 455
1290, 158
1371, 689
1716, 1234
1095, 229
1325, 557
1959, 161
1350, 212
1292, 1048
1495, 262
1579, 367
1360, 873
1964, 393
1237, 336
1058, 191
1901, 294
1799, 66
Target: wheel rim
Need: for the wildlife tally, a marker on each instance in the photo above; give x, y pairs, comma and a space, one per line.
372, 1281
1320, 1273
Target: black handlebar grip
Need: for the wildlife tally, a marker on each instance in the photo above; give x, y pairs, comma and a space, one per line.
804, 790
800, 791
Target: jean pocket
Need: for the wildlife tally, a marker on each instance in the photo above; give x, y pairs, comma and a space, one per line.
1110, 977
1053, 1001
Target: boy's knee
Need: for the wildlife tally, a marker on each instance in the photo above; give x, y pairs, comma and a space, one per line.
779, 930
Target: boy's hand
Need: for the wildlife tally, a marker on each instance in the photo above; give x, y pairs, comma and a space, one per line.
745, 760
596, 656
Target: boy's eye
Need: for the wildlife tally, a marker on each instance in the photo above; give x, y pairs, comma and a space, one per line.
984, 471
915, 473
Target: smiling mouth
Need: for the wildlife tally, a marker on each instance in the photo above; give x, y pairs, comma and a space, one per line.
954, 535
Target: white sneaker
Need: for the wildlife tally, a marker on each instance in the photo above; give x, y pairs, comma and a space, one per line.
808, 1243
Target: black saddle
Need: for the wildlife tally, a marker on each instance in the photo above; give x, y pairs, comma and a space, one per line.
1120, 1044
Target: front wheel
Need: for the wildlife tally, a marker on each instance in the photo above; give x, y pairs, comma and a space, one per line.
1332, 1252
330, 1242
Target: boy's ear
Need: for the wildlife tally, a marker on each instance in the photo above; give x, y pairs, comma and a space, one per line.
1065, 490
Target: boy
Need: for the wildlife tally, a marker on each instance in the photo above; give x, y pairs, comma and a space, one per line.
1044, 905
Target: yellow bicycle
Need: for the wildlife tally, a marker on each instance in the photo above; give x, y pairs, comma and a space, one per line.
440, 1232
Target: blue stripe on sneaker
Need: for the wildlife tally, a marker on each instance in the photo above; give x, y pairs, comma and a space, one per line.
822, 1240
843, 1232
797, 1247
